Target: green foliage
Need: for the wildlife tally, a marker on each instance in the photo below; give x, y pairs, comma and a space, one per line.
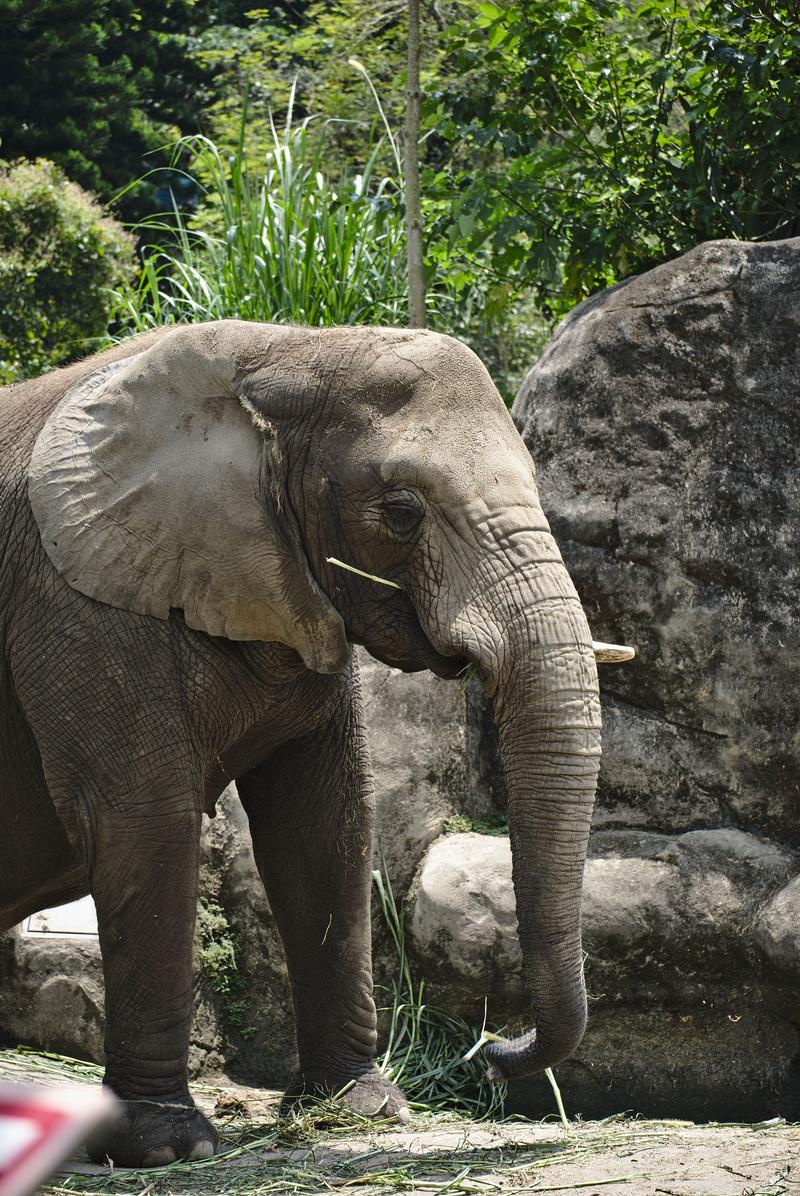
594, 138
495, 824
218, 947
313, 57
286, 243
218, 955
95, 85
59, 258
425, 1051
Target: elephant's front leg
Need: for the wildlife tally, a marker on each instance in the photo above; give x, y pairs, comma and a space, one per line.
144, 883
311, 817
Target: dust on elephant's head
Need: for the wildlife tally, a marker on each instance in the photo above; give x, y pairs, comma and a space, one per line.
216, 471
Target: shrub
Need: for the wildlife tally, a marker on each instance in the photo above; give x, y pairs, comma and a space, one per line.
59, 258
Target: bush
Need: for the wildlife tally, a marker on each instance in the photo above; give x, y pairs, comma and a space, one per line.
59, 258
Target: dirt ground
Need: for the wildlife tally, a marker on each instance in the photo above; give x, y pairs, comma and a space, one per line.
441, 1154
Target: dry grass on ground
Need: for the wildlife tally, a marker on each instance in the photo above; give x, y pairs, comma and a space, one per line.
438, 1154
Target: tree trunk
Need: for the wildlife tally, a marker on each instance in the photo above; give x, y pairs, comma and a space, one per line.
417, 316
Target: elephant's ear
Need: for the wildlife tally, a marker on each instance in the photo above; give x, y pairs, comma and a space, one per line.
147, 484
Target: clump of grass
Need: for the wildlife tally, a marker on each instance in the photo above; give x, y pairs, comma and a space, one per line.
459, 824
425, 1051
287, 243
423, 1055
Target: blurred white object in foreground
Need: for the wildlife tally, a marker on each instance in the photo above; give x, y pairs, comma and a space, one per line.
40, 1126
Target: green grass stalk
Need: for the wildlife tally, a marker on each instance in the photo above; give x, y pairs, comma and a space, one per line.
424, 1050
283, 243
332, 560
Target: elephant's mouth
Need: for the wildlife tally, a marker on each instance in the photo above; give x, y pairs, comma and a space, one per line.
448, 667
401, 643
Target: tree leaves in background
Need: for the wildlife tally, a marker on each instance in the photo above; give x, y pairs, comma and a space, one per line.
592, 139
98, 85
60, 255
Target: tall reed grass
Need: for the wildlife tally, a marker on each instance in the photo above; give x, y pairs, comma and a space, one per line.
283, 243
425, 1050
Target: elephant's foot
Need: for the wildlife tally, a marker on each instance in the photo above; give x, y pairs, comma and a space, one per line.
148, 1133
369, 1095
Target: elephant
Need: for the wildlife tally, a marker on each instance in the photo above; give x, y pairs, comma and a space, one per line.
173, 621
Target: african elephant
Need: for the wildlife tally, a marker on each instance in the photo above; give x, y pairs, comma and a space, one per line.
171, 622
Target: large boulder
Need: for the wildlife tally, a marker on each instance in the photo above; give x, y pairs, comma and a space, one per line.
665, 917
677, 932
664, 417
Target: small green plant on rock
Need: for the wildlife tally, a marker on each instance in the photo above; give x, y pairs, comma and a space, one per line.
459, 824
219, 954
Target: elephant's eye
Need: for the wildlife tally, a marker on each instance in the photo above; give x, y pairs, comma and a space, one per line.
402, 511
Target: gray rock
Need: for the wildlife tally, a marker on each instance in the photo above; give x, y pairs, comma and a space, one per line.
777, 931
415, 724
463, 924
729, 1061
668, 925
677, 1017
51, 993
664, 420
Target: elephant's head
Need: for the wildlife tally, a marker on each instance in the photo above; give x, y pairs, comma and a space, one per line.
218, 470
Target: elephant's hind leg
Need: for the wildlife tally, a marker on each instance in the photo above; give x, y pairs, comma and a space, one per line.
311, 817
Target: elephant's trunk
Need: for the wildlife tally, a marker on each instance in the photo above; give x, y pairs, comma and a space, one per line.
548, 719
529, 633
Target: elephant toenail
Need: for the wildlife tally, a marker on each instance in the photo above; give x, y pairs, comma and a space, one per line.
202, 1149
159, 1156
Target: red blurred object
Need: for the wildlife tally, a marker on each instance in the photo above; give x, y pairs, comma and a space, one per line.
40, 1126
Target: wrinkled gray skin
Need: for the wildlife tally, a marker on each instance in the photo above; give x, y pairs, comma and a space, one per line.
390, 450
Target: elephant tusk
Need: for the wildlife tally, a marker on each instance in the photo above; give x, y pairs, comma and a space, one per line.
612, 653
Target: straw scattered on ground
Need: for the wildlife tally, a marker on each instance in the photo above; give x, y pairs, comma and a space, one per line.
324, 1152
